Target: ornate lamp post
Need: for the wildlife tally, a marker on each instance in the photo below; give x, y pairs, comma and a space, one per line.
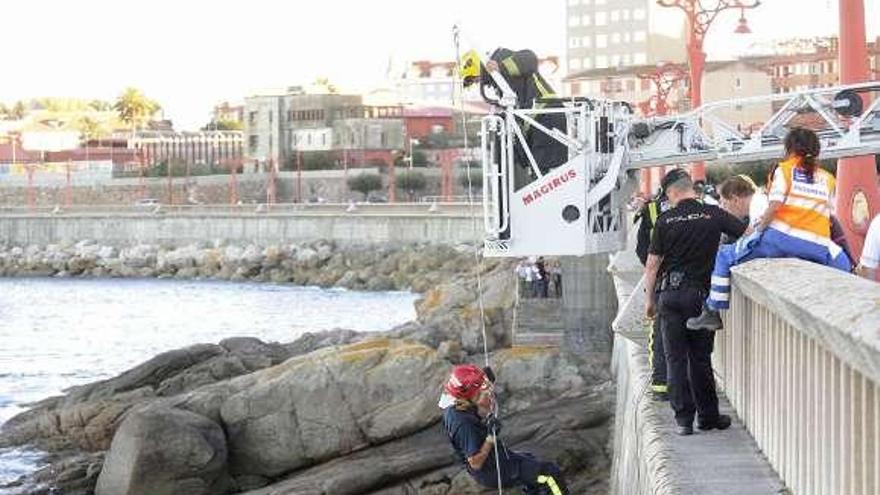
699, 20
665, 78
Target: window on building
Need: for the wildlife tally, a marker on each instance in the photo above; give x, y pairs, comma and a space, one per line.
587, 63
627, 59
639, 14
574, 21
640, 58
640, 36
601, 40
615, 38
615, 60
631, 85
615, 15
624, 14
270, 118
252, 118
586, 41
601, 62
586, 20
627, 37
574, 64
646, 85
574, 42
574, 89
253, 142
574, 2
601, 18
738, 83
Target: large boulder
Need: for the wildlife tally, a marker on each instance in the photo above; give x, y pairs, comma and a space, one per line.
330, 403
165, 451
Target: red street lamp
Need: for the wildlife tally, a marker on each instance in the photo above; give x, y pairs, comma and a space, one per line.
664, 78
699, 20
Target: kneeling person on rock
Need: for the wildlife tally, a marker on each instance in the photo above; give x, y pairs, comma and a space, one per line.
473, 430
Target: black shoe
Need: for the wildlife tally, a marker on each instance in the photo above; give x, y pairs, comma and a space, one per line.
722, 423
708, 320
684, 430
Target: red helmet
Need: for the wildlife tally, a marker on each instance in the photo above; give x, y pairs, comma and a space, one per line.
465, 381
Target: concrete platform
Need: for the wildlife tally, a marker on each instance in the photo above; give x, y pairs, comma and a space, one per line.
716, 462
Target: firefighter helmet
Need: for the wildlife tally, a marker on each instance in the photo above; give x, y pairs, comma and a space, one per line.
470, 67
466, 381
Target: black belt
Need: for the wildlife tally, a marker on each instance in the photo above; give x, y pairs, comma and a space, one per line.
678, 281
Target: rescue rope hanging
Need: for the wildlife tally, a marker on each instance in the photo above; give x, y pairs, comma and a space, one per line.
458, 83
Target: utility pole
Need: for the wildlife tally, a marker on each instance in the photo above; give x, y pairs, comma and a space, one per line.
699, 20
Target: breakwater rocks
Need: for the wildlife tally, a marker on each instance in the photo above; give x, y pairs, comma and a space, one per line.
413, 267
338, 412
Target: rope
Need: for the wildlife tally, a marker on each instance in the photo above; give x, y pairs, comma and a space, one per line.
478, 260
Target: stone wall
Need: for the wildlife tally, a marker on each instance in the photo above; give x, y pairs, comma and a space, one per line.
324, 185
237, 228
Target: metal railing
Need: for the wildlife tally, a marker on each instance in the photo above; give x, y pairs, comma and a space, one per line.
799, 359
302, 209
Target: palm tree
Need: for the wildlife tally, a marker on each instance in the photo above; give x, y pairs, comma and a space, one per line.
89, 128
100, 105
134, 108
19, 110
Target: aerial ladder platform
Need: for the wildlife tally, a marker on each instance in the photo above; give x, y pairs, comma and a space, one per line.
579, 207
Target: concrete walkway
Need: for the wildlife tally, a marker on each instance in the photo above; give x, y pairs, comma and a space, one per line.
716, 462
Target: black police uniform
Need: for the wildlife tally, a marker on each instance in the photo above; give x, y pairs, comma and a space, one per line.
467, 432
656, 354
687, 238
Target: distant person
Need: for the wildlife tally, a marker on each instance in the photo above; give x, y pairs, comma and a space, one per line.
544, 278
523, 273
869, 263
796, 224
472, 429
556, 277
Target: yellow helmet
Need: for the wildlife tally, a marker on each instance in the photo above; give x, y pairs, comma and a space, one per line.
470, 67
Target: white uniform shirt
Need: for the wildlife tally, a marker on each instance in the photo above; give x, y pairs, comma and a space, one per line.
871, 250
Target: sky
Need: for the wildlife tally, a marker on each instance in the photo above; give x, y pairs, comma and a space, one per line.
189, 54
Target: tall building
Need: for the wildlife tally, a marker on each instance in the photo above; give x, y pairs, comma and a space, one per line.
620, 33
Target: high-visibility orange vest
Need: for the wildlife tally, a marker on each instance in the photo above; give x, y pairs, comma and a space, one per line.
806, 205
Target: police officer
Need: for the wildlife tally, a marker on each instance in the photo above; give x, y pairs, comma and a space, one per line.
648, 216
678, 269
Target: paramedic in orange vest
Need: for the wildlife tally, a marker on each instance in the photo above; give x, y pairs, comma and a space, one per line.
797, 224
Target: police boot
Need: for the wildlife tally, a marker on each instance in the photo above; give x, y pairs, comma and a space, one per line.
708, 320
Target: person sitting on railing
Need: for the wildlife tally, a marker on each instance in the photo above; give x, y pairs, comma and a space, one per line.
869, 264
520, 70
796, 224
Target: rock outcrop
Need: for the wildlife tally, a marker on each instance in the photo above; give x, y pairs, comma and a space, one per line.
338, 412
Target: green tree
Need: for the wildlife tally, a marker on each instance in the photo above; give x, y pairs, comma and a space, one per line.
224, 125
100, 106
134, 108
19, 110
365, 183
4, 111
90, 128
412, 182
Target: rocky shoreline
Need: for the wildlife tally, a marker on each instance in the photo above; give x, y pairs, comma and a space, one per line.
332, 413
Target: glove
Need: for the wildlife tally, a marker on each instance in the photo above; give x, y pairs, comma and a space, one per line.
493, 424
489, 374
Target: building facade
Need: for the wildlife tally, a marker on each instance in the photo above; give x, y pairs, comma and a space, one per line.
280, 126
604, 34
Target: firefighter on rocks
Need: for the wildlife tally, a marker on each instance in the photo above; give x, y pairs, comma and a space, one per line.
472, 429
